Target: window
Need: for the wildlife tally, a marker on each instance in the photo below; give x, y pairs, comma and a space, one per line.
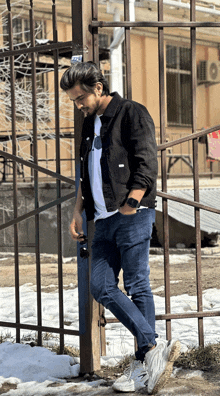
21, 31
178, 73
104, 41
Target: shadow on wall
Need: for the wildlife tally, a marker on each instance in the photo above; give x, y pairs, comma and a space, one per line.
181, 235
48, 219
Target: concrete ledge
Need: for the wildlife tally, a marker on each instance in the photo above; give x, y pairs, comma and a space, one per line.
207, 251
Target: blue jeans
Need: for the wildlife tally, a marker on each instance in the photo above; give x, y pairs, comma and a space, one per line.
123, 241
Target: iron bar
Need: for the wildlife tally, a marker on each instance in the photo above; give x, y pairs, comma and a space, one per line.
95, 35
156, 24
88, 318
15, 199
35, 155
43, 135
188, 202
196, 174
95, 47
46, 329
32, 165
37, 48
128, 50
190, 315
53, 159
163, 167
187, 138
58, 170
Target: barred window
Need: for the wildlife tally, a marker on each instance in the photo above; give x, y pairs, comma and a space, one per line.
178, 73
21, 31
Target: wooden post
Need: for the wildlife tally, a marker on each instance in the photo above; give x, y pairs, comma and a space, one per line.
88, 307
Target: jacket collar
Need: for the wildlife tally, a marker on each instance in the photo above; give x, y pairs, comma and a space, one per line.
110, 109
106, 118
109, 113
113, 105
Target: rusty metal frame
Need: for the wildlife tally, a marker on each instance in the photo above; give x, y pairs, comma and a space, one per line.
160, 25
11, 53
89, 310
85, 28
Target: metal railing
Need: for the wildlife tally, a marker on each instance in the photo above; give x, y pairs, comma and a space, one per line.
85, 30
160, 25
33, 165
25, 174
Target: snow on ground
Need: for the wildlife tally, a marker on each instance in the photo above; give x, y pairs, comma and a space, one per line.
34, 369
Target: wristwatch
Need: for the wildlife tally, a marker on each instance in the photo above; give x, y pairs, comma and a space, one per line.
133, 203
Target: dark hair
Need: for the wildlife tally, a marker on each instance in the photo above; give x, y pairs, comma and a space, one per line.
86, 74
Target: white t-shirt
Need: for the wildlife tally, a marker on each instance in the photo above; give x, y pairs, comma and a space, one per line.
95, 174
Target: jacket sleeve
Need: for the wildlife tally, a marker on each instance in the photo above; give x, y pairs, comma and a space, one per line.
139, 139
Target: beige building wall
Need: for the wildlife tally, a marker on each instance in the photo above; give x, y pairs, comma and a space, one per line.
145, 89
145, 77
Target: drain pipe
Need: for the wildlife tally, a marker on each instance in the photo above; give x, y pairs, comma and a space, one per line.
116, 50
116, 56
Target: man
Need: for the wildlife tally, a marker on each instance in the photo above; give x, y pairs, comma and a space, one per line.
118, 189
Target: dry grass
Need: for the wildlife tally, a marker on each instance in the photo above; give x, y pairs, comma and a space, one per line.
205, 359
123, 363
74, 352
202, 358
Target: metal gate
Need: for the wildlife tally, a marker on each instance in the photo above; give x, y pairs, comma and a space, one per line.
96, 25
11, 53
86, 27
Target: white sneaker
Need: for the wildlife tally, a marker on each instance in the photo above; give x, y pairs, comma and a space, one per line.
134, 378
160, 364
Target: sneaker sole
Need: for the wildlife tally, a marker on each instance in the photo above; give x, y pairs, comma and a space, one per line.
173, 355
127, 388
124, 388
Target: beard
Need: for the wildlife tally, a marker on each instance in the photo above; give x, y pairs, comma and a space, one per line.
91, 112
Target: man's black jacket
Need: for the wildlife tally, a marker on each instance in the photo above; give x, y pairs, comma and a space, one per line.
129, 154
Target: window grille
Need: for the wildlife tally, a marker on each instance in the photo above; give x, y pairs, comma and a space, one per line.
178, 73
21, 31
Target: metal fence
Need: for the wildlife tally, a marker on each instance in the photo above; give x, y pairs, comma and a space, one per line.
33, 165
161, 25
85, 31
45, 142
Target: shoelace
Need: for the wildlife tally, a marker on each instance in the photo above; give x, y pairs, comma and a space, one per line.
130, 368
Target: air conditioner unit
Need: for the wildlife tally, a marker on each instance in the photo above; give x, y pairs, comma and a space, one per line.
209, 72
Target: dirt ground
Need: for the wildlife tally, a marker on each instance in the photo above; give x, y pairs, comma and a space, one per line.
183, 280
182, 272
27, 271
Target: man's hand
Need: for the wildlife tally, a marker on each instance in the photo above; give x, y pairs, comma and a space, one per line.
76, 230
136, 194
127, 210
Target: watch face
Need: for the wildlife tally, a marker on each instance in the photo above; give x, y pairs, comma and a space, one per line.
133, 203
